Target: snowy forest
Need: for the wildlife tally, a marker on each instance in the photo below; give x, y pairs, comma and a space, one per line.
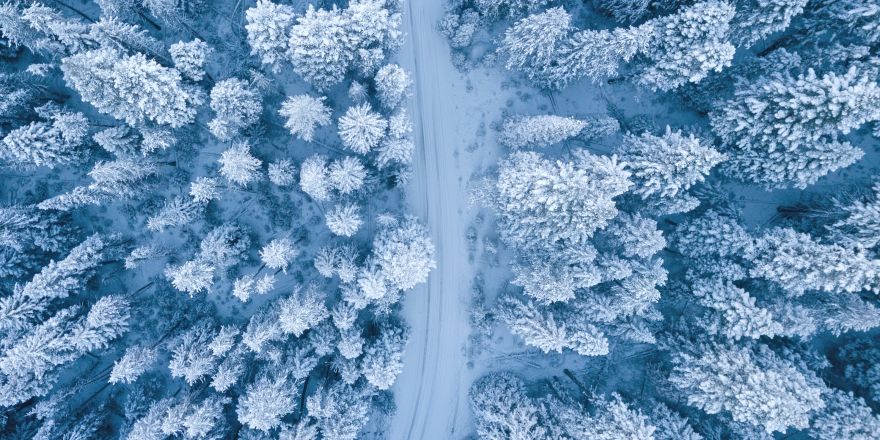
440, 219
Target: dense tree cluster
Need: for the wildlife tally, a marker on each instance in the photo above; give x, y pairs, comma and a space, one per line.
194, 244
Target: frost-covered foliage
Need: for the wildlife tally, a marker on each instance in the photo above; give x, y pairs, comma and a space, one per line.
304, 114
236, 106
538, 131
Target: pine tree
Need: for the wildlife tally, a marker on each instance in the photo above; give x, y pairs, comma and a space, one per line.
688, 45
190, 58
845, 416
239, 166
314, 178
268, 25
532, 44
611, 419
304, 114
666, 165
346, 175
404, 254
634, 236
598, 55
135, 361
361, 129
344, 220
266, 401
755, 385
383, 356
192, 277
799, 264
282, 173
788, 139
392, 83
236, 106
302, 310
736, 309
191, 356
503, 410
541, 203
132, 88
321, 47
39, 144
549, 331
757, 19
341, 410
178, 211
225, 245
538, 131
279, 253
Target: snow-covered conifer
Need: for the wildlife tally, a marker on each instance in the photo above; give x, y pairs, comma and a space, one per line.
314, 178
688, 45
132, 88
266, 401
302, 310
540, 202
597, 54
239, 166
341, 410
304, 114
755, 385
236, 106
135, 361
321, 47
503, 410
383, 357
278, 254
635, 236
192, 277
225, 245
38, 144
268, 25
667, 165
347, 174
190, 57
756, 19
191, 357
845, 416
550, 331
178, 211
538, 131
344, 220
392, 83
204, 189
531, 45
404, 253
361, 129
282, 173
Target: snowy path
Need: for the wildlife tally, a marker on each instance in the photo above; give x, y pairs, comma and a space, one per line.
431, 393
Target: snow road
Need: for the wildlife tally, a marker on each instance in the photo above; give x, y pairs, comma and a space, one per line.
431, 392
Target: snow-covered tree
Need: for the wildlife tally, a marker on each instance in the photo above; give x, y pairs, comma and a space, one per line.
611, 419
191, 357
845, 416
176, 212
239, 166
686, 46
538, 131
788, 140
503, 410
190, 58
753, 384
667, 165
347, 175
192, 277
39, 144
361, 129
598, 54
404, 253
392, 83
321, 47
756, 19
266, 401
279, 253
532, 44
314, 178
344, 220
799, 264
225, 245
341, 410
383, 356
236, 106
135, 362
282, 173
736, 310
132, 88
550, 330
268, 26
304, 114
540, 203
302, 310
